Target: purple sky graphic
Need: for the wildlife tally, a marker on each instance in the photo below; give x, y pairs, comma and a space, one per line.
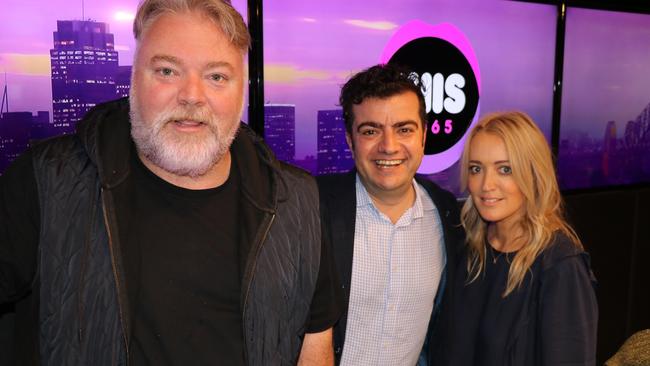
312, 47
606, 72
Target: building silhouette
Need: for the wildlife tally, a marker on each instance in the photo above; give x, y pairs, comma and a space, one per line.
621, 157
280, 130
84, 68
643, 129
17, 130
123, 81
41, 127
609, 146
334, 155
632, 135
309, 163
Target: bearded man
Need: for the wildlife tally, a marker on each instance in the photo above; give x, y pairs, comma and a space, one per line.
164, 231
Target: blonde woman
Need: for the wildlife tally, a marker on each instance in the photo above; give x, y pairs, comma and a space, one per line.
525, 291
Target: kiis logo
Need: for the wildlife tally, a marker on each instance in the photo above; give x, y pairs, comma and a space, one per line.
446, 69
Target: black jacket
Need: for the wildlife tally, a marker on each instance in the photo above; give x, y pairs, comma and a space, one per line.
338, 215
553, 321
84, 185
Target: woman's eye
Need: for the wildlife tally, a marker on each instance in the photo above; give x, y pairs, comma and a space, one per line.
505, 169
474, 169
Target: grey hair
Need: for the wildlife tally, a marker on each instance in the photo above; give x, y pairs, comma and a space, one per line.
219, 11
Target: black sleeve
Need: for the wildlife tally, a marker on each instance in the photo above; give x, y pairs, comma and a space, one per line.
19, 228
568, 313
326, 305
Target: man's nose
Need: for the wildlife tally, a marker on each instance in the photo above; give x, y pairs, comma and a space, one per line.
192, 91
388, 144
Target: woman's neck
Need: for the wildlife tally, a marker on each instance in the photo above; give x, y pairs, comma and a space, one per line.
504, 238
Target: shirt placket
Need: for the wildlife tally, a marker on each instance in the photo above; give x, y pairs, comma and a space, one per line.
392, 296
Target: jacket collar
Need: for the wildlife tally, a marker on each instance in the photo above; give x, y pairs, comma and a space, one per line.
258, 166
105, 132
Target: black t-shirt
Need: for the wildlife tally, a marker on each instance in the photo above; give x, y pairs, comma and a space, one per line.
485, 318
187, 297
182, 258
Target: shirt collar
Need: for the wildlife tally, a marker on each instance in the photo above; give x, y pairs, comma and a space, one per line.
420, 205
422, 197
363, 198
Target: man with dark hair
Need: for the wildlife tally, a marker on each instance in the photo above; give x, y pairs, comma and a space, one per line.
380, 81
165, 232
394, 235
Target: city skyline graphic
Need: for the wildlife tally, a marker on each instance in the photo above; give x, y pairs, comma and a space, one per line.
603, 134
85, 73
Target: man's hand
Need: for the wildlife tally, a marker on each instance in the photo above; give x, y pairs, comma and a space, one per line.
317, 349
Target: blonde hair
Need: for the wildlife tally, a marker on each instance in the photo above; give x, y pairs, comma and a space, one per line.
534, 174
219, 11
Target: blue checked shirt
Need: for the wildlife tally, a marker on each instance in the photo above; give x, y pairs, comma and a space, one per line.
396, 270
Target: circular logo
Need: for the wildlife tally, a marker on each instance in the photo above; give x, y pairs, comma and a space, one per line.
443, 64
449, 87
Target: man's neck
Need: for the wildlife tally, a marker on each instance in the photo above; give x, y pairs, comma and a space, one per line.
215, 177
393, 204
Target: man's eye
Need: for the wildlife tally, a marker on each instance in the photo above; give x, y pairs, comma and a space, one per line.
405, 130
474, 169
165, 71
217, 77
368, 132
505, 170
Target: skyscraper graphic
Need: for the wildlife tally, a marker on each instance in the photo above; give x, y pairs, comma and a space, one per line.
334, 156
609, 146
16, 131
84, 67
123, 81
4, 106
632, 135
309, 163
41, 127
643, 121
14, 135
280, 130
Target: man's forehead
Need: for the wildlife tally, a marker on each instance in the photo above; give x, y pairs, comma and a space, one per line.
185, 26
188, 38
384, 112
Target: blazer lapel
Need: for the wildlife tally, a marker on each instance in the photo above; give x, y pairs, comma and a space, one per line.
343, 220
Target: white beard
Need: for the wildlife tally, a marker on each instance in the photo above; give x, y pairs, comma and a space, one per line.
176, 152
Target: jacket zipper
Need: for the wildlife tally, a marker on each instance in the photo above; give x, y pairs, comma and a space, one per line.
257, 248
115, 276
